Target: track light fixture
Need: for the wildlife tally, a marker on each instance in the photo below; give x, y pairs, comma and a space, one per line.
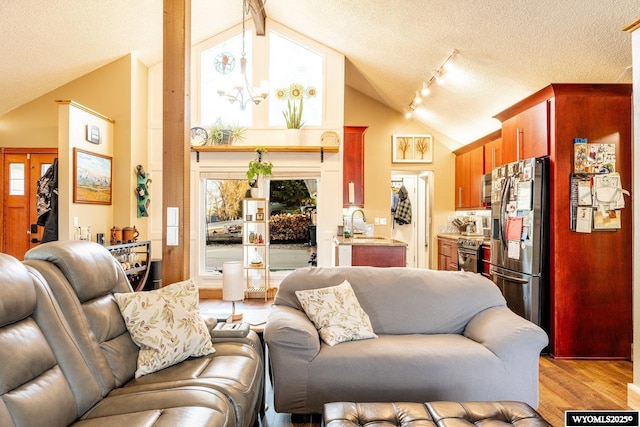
437, 76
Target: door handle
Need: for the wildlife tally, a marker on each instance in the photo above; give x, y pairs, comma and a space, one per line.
510, 278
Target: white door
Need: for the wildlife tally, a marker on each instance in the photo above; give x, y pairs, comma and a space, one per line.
417, 234
407, 232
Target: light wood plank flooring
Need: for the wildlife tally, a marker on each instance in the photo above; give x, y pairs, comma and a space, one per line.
564, 384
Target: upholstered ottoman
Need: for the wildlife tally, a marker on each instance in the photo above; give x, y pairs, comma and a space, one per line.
442, 414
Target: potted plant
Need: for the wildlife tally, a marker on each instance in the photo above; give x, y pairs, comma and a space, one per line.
294, 94
224, 133
257, 168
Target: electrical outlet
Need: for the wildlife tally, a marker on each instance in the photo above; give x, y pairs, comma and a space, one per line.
376, 221
383, 221
75, 221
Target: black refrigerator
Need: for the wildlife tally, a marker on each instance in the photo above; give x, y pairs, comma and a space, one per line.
519, 237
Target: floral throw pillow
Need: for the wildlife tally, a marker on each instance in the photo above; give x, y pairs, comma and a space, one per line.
336, 313
166, 325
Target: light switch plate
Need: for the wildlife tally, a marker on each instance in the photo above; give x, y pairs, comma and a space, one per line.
172, 236
172, 217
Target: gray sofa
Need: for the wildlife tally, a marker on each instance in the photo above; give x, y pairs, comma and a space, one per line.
66, 357
441, 336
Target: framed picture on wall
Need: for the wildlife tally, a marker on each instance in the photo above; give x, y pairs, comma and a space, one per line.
412, 148
91, 178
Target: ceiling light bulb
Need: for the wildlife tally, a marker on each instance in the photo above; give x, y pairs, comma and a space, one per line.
407, 115
425, 90
417, 99
448, 66
440, 80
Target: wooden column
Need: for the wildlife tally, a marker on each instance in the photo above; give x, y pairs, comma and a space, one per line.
175, 134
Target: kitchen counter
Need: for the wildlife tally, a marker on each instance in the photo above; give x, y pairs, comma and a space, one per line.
456, 236
367, 240
373, 251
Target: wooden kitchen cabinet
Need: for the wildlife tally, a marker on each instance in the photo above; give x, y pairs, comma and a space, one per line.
379, 255
447, 254
526, 134
469, 171
353, 165
493, 152
588, 284
486, 260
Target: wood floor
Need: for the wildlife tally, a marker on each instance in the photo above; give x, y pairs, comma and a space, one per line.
564, 384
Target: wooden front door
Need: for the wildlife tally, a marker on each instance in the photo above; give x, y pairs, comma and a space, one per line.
21, 169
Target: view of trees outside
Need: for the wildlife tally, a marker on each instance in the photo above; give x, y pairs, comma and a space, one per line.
291, 205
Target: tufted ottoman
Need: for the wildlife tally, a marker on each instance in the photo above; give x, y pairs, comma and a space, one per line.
442, 414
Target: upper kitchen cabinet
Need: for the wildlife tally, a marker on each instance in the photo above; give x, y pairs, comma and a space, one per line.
469, 171
353, 166
492, 151
525, 134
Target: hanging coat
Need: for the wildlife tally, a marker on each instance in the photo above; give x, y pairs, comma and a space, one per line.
47, 203
403, 209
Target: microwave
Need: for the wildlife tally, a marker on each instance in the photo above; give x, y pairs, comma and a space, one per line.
485, 188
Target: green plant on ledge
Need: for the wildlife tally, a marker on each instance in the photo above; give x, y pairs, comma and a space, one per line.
224, 133
294, 95
258, 167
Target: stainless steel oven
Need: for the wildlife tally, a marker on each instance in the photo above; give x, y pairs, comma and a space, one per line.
469, 256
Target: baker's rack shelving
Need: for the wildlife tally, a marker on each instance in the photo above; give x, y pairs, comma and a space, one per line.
255, 247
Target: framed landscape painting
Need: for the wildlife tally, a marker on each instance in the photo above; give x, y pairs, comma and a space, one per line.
412, 148
91, 178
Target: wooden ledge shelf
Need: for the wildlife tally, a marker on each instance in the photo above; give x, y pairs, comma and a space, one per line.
270, 148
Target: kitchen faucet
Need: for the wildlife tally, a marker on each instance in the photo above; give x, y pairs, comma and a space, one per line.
353, 214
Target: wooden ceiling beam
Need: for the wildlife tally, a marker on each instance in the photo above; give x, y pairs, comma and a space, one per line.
259, 16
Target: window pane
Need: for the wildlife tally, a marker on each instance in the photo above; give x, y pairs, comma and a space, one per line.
223, 221
220, 70
16, 179
292, 205
43, 168
289, 63
291, 223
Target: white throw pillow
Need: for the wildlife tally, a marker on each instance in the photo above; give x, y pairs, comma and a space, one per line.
336, 313
166, 325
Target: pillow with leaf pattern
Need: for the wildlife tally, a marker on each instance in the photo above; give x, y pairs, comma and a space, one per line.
166, 325
336, 313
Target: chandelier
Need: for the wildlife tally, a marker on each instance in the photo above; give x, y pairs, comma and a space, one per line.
242, 92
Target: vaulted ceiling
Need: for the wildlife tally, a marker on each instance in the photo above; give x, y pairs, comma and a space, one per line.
508, 49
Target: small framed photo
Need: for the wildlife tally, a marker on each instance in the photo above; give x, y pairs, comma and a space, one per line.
260, 216
412, 148
93, 134
248, 217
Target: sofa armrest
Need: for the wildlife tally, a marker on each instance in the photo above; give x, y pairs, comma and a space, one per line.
251, 338
291, 329
506, 334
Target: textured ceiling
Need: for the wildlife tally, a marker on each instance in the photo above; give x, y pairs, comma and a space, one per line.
508, 48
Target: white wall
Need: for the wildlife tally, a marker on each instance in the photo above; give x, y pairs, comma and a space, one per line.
72, 122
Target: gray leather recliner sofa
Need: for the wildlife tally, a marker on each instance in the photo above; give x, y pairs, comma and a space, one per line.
66, 357
441, 336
